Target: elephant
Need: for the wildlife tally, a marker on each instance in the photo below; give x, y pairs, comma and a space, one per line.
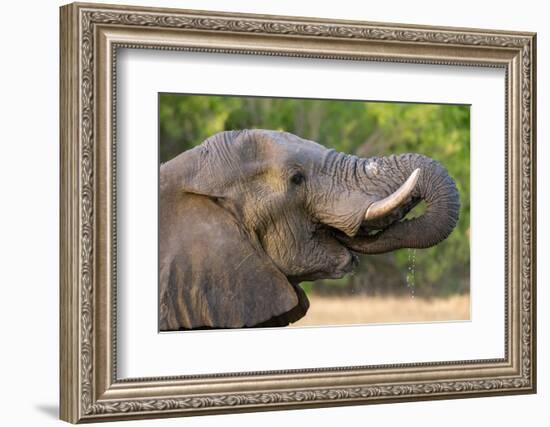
248, 215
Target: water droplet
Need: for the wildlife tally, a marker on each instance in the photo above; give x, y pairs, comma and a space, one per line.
411, 270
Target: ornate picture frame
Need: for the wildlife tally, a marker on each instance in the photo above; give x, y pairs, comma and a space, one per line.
90, 37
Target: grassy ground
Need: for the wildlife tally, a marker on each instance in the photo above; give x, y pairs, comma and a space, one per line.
364, 309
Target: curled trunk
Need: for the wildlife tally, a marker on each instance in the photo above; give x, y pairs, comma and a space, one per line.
434, 186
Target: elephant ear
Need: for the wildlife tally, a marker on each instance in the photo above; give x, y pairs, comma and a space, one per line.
212, 272
213, 276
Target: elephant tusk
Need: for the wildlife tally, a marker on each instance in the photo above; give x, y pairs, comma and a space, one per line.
386, 205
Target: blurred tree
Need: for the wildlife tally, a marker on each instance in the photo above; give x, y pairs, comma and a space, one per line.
356, 127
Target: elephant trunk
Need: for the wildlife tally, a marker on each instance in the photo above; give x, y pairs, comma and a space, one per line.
433, 185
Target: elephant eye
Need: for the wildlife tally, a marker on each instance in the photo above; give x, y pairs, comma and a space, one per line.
297, 178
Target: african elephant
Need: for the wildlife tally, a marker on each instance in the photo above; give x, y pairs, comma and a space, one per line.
248, 215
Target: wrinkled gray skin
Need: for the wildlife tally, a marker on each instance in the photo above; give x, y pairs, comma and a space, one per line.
247, 215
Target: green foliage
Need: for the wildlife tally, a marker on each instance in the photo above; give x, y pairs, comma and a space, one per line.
362, 128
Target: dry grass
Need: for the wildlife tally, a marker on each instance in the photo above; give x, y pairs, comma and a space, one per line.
364, 309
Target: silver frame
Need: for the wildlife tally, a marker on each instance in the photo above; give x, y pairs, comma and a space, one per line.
90, 37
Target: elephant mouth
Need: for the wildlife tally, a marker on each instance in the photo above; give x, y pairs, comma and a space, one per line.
365, 234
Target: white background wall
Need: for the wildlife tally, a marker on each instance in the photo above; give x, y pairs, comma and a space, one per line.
29, 170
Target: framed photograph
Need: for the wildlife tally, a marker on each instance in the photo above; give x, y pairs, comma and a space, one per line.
267, 212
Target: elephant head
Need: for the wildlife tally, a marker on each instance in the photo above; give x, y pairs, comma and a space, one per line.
247, 215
